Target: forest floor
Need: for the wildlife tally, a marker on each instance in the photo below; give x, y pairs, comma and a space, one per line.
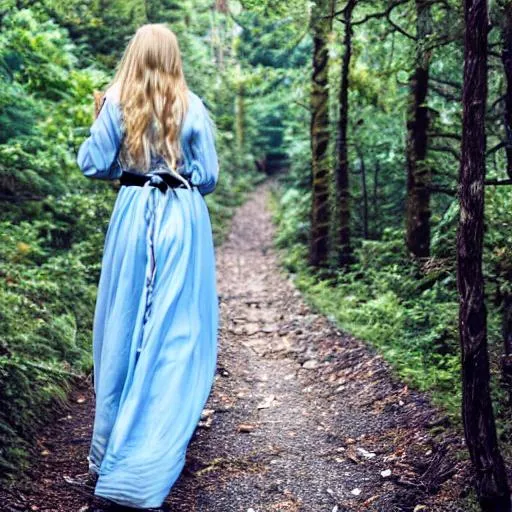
302, 417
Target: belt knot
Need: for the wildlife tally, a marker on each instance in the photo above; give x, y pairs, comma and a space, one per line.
157, 181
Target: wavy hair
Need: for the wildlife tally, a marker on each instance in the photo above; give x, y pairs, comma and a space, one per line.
153, 95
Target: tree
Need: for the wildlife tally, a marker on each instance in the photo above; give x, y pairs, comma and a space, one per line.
342, 164
418, 171
321, 25
477, 412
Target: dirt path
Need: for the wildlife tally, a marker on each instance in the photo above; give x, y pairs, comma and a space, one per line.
302, 418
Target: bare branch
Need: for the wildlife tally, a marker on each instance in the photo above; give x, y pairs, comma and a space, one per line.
446, 149
496, 183
444, 81
443, 92
443, 190
496, 148
455, 136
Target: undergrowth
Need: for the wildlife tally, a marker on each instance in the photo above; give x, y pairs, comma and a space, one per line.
408, 310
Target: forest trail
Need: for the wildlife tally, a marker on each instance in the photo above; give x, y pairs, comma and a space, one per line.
303, 417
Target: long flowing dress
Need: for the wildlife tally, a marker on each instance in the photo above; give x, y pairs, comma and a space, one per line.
156, 316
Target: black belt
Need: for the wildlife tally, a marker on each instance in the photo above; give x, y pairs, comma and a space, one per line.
162, 180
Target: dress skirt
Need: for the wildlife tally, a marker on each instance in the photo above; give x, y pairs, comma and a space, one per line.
154, 341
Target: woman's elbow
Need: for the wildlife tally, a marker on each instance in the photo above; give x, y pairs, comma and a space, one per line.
92, 166
210, 184
84, 162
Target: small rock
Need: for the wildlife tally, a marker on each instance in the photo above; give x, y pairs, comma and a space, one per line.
206, 418
355, 492
335, 509
386, 473
365, 453
267, 402
251, 328
246, 427
80, 400
310, 364
224, 372
206, 423
207, 413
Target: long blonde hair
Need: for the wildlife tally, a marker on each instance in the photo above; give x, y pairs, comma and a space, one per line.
154, 97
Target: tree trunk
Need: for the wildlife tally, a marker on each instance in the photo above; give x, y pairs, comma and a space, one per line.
321, 25
376, 213
239, 85
506, 57
364, 189
418, 172
342, 167
477, 412
240, 118
506, 363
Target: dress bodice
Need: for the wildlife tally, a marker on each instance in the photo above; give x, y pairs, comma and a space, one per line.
98, 156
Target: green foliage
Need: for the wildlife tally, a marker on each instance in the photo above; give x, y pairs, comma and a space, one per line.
39, 55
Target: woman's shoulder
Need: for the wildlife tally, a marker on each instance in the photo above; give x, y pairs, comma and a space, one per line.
113, 93
196, 103
197, 112
112, 103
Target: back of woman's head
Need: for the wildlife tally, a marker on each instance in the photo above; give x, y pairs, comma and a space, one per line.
153, 96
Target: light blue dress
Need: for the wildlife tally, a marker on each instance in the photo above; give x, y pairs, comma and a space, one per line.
156, 317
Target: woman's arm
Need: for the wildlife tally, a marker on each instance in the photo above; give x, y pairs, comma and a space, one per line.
205, 164
97, 156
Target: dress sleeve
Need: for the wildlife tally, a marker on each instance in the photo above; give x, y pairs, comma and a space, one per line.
98, 154
205, 164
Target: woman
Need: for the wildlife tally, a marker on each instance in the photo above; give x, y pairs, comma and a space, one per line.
156, 318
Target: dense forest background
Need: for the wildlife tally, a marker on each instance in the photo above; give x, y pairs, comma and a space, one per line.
357, 103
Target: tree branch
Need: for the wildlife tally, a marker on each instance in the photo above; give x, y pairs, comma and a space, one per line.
443, 190
454, 136
496, 183
495, 148
446, 149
